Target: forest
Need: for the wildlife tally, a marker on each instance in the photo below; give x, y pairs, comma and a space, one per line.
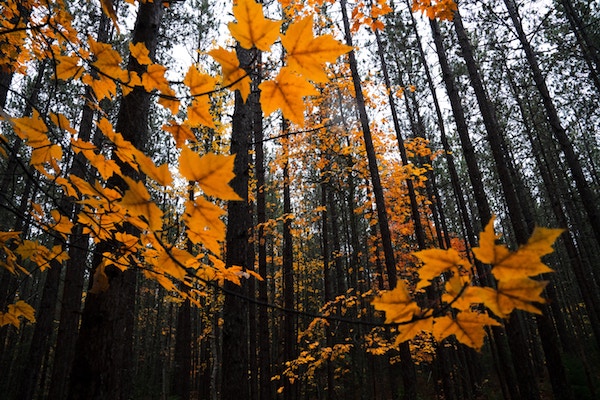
317, 199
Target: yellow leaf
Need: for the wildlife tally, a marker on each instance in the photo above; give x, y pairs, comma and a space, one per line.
140, 52
137, 201
108, 60
211, 171
109, 10
100, 282
252, 28
398, 304
486, 252
154, 78
234, 77
63, 225
409, 331
161, 174
436, 261
306, 54
171, 261
68, 68
287, 93
198, 113
199, 83
103, 87
520, 293
467, 326
204, 225
180, 133
15, 311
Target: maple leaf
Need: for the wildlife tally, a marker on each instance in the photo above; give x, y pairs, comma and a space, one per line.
306, 54
198, 82
170, 261
154, 78
287, 93
15, 311
109, 10
140, 52
180, 133
398, 304
234, 77
252, 28
212, 172
467, 326
524, 262
137, 201
67, 67
198, 113
436, 261
409, 331
204, 225
519, 293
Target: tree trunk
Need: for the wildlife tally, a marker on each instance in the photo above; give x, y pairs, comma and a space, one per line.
102, 367
407, 366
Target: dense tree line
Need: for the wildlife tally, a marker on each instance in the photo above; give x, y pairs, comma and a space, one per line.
209, 246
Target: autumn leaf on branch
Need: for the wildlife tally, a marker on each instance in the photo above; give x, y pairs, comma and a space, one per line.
252, 29
458, 312
286, 92
398, 304
234, 77
468, 327
307, 55
212, 172
15, 312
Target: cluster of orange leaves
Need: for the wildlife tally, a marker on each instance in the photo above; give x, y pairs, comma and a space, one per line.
461, 306
436, 9
104, 210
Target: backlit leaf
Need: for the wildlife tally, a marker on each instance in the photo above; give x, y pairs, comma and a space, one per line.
212, 172
436, 261
306, 54
234, 77
286, 92
467, 326
252, 29
137, 201
140, 52
398, 304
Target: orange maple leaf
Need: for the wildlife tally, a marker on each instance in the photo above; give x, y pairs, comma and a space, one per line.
436, 261
467, 326
286, 92
398, 304
211, 171
252, 28
306, 54
234, 77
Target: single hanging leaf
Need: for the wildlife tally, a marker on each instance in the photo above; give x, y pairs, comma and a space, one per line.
306, 54
520, 293
198, 113
436, 261
180, 133
204, 225
409, 331
199, 83
234, 77
67, 68
287, 93
212, 172
137, 202
467, 326
398, 304
140, 52
486, 252
109, 10
252, 28
154, 79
